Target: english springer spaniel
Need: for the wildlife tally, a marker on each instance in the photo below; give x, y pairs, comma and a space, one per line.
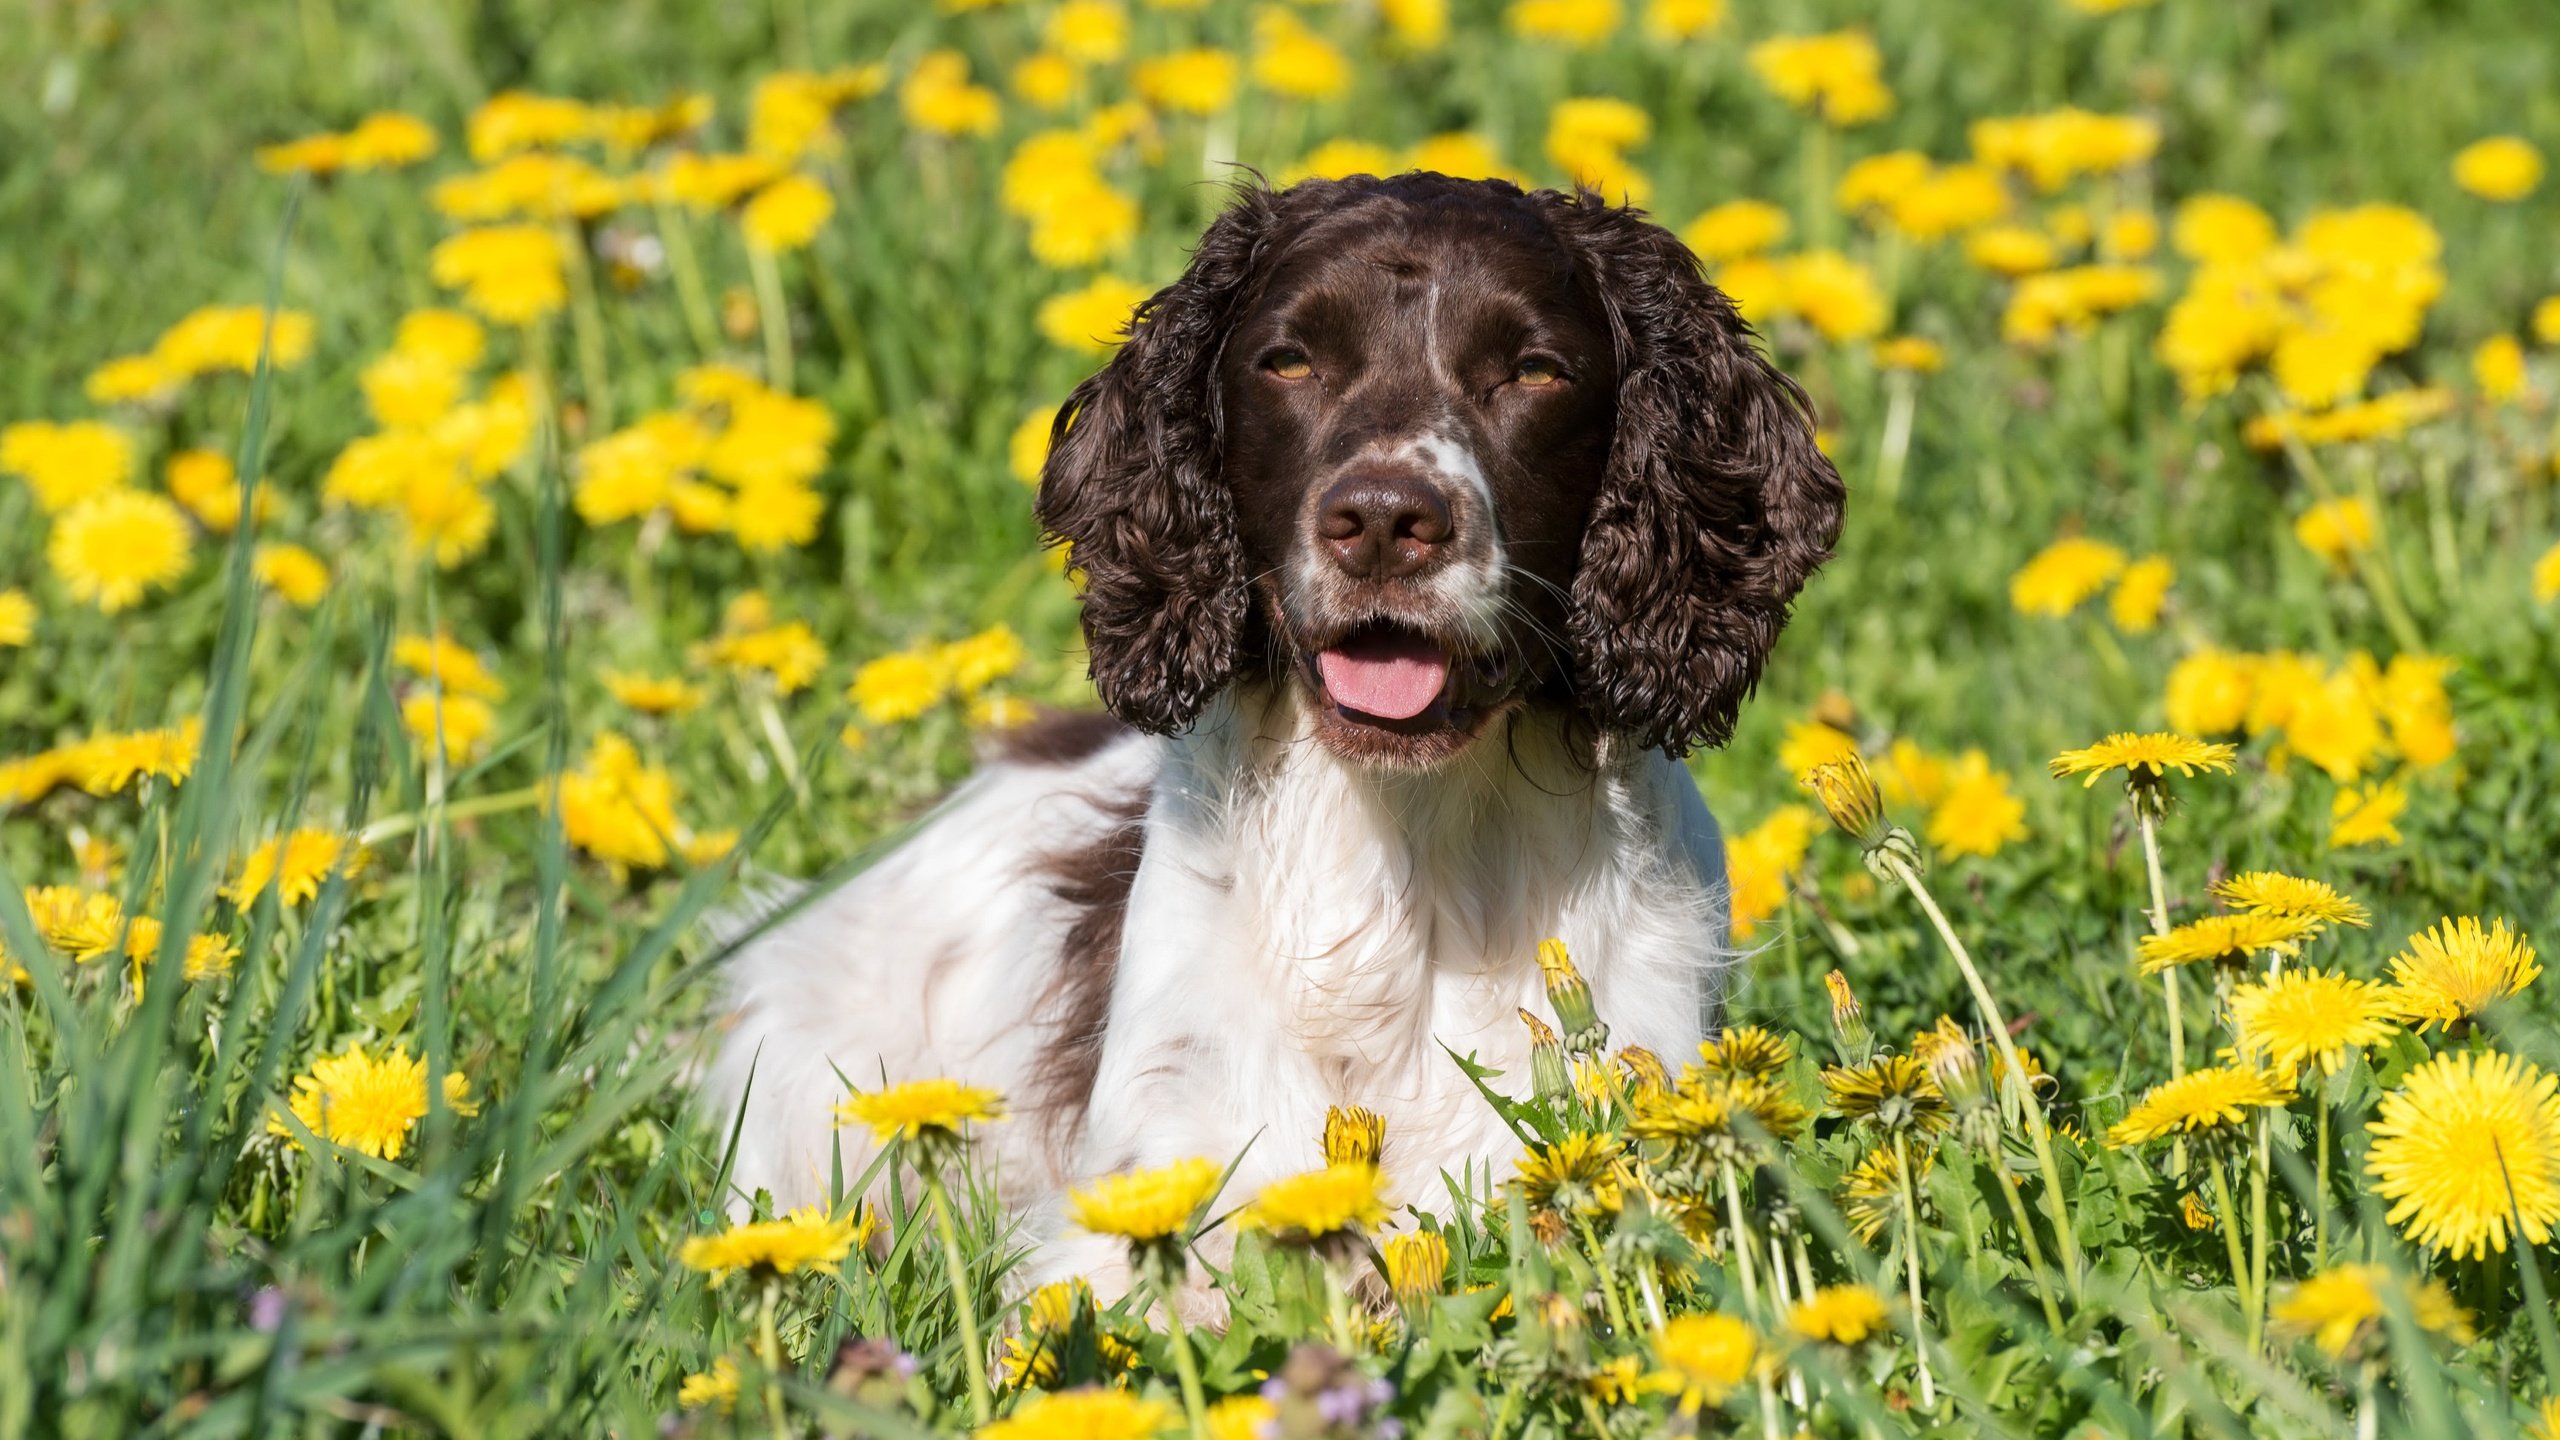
1424, 523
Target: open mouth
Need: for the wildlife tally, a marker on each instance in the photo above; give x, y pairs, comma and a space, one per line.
1396, 678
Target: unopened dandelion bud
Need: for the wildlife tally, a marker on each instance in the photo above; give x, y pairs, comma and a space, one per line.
1571, 995
1848, 1021
1353, 1135
1644, 1069
1548, 1072
1954, 1063
1417, 1265
1847, 792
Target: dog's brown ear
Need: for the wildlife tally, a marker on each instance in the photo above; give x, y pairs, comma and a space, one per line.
1716, 507
1133, 487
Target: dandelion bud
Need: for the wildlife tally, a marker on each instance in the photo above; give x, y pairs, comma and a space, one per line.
1571, 995
1548, 1073
1417, 1265
1953, 1063
1353, 1135
1848, 1021
1644, 1069
1847, 791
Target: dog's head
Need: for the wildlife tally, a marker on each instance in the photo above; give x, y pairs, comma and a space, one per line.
1431, 448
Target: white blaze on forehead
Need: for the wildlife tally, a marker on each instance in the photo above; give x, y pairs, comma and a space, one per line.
1474, 584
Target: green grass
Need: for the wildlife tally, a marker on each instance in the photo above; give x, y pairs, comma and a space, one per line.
170, 1265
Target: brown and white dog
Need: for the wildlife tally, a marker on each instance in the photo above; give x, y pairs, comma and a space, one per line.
1424, 522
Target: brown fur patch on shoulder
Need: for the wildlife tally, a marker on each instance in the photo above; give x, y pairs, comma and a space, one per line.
1058, 737
1094, 878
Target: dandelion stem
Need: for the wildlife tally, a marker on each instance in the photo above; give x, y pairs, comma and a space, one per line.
1651, 1293
769, 1351
2014, 1072
2160, 926
1741, 1238
1911, 1269
1608, 1282
1164, 1274
2018, 1216
771, 318
2229, 1214
595, 384
972, 1352
392, 827
1895, 451
2320, 1196
779, 738
677, 236
2258, 1165
2370, 567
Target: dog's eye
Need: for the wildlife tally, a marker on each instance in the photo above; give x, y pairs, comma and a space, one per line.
1288, 364
1535, 372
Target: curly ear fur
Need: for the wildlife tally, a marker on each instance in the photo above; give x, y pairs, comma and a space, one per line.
1133, 486
1716, 508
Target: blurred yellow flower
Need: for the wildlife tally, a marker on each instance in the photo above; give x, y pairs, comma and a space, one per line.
2045, 306
2366, 815
1580, 24
1083, 221
982, 659
789, 653
1672, 21
787, 214
1028, 451
653, 694
67, 463
204, 482
296, 863
17, 618
131, 379
938, 99
1708, 1356
2546, 320
513, 274
2140, 592
1188, 82
1341, 157
1913, 353
1045, 81
1759, 861
2221, 229
2011, 250
2335, 530
2502, 167
1091, 319
2052, 147
1459, 154
232, 337
2342, 1309
459, 724
2062, 575
899, 686
1416, 24
1319, 1203
441, 661
1838, 1315
715, 1388
1091, 32
1838, 76
1876, 181
1735, 229
2546, 576
1087, 1414
368, 1103
112, 549
2497, 367
1977, 815
520, 120
1291, 59
620, 808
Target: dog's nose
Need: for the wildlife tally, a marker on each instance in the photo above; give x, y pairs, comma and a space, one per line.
1379, 525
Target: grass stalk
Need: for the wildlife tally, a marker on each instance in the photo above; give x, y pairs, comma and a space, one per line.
2014, 1072
1911, 1270
973, 1351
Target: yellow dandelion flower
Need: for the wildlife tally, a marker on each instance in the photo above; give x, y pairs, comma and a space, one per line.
233, 337
66, 464
1417, 1265
109, 763
2453, 972
653, 694
442, 662
2342, 1309
618, 808
513, 274
2140, 592
1353, 1135
1293, 60
2200, 1103
2310, 1017
17, 618
2497, 367
1838, 76
2225, 940
1582, 1174
2546, 1420
1759, 863
1147, 1206
296, 863
1896, 1092
2466, 1147
2367, 815
2270, 892
292, 572
1709, 1356
1838, 1315
1188, 82
1745, 1052
2502, 167
78, 924
789, 654
368, 1103
131, 380
1911, 354
204, 482
787, 214
2335, 530
920, 1109
1318, 1203
2140, 755
1086, 1414
2063, 574
459, 725
1977, 814
938, 99
715, 1388
900, 686
1579, 24
1872, 1190
113, 549
1094, 318
804, 1239
2546, 576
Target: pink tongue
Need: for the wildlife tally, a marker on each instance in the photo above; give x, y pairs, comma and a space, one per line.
1391, 677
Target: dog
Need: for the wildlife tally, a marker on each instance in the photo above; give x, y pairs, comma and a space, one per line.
1424, 524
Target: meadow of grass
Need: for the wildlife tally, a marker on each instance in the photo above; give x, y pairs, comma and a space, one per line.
668, 459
